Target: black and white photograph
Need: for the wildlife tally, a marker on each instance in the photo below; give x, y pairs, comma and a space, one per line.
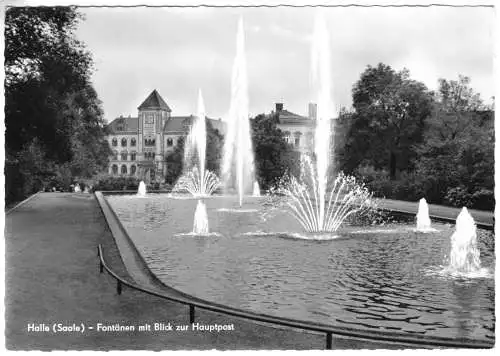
236, 175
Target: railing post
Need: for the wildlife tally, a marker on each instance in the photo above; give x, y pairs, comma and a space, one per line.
118, 286
191, 313
328, 341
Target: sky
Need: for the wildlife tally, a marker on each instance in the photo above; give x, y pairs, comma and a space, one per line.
181, 50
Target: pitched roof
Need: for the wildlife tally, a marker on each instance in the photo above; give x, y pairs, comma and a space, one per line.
288, 117
154, 101
123, 125
183, 123
178, 124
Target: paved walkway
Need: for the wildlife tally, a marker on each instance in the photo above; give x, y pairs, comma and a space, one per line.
440, 211
52, 278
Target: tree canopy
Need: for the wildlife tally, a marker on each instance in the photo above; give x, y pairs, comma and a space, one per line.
51, 106
274, 157
390, 110
458, 151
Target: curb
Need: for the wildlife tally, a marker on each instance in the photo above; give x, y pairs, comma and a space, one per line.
21, 203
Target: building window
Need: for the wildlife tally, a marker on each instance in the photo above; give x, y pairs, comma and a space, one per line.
288, 136
124, 169
153, 155
132, 170
114, 142
170, 142
132, 156
132, 142
124, 156
114, 168
115, 155
124, 142
149, 142
297, 135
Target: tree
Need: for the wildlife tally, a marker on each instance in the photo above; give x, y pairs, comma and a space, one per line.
174, 162
215, 144
274, 157
458, 150
50, 103
390, 110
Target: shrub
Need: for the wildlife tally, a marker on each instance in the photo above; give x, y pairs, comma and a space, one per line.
458, 197
483, 199
117, 183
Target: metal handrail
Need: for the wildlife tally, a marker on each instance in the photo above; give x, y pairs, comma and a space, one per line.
377, 336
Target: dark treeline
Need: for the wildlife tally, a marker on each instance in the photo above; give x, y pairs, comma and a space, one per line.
407, 142
53, 116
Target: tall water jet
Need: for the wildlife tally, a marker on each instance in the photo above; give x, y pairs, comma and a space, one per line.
141, 191
238, 164
464, 255
321, 83
320, 206
423, 219
200, 225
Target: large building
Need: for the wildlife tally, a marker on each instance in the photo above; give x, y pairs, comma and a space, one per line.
141, 144
298, 130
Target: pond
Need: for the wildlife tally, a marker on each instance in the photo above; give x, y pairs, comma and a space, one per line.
384, 278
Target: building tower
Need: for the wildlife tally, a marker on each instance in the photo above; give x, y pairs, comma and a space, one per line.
153, 114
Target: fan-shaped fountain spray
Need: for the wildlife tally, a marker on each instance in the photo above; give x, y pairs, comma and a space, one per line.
324, 211
238, 163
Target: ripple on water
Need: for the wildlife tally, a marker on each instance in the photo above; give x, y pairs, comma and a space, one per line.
378, 277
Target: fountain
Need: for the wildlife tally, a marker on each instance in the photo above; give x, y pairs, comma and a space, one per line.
238, 164
464, 255
325, 211
317, 206
423, 219
141, 191
256, 189
200, 225
196, 180
196, 184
